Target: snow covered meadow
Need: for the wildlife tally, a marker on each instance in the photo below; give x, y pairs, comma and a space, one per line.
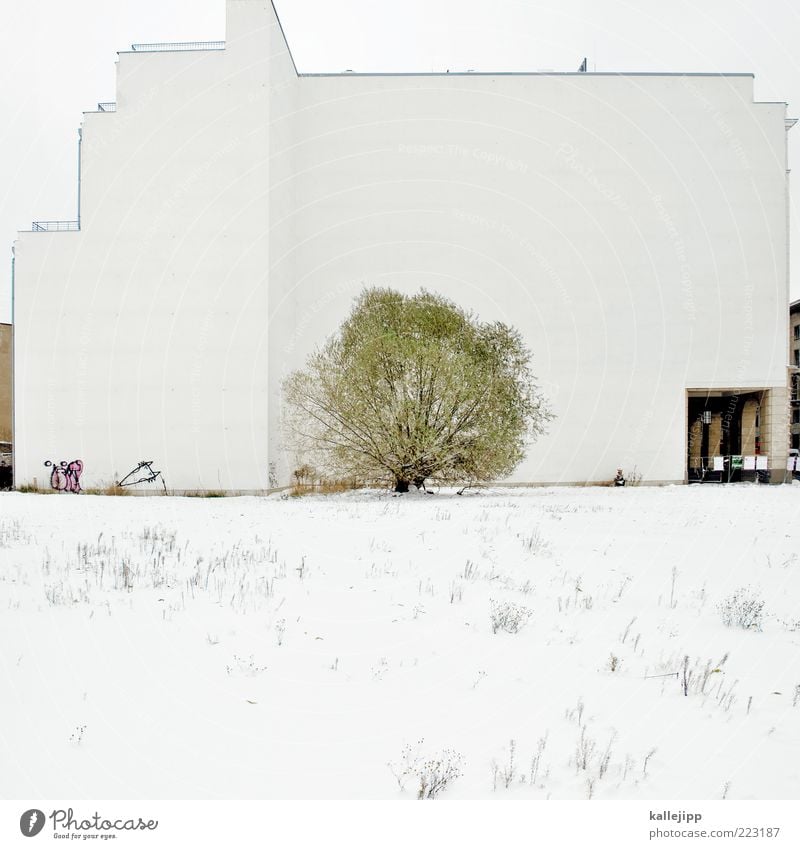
634, 643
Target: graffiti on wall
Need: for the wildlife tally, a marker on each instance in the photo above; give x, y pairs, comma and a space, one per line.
65, 475
143, 473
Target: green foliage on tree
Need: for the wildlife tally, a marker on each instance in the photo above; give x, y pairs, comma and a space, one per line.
413, 388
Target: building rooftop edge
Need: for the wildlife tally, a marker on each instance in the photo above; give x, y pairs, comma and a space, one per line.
481, 73
526, 74
470, 73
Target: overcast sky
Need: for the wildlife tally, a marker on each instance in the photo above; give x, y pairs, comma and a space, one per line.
57, 60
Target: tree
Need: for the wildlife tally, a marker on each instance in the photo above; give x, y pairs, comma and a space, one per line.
413, 388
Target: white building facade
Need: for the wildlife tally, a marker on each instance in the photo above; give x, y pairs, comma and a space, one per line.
632, 226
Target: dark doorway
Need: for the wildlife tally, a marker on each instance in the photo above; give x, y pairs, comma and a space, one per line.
715, 431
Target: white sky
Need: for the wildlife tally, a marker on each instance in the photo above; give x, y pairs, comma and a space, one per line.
57, 60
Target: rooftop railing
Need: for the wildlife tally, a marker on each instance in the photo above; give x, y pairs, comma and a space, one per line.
53, 226
178, 45
107, 107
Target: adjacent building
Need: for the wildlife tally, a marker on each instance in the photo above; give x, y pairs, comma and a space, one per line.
632, 226
5, 386
5, 406
794, 378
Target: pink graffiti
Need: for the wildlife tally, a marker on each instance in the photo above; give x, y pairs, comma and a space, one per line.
66, 476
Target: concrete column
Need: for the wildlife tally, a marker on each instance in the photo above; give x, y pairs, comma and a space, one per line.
714, 435
695, 443
749, 426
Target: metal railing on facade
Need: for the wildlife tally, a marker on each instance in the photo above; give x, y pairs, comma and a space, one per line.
111, 106
178, 45
54, 226
737, 468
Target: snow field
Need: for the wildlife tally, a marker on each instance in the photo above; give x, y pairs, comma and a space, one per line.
533, 640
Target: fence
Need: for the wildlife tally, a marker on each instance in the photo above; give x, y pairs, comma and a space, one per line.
51, 226
178, 45
736, 468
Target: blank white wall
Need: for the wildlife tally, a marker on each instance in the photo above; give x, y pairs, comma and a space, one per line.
633, 227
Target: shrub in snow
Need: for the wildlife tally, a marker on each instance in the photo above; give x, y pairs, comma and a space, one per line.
10, 532
508, 771
534, 542
507, 616
536, 761
742, 609
584, 751
431, 775
436, 774
414, 388
244, 666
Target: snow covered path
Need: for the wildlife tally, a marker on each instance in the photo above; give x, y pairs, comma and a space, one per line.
293, 648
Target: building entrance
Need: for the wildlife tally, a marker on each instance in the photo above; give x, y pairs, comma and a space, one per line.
724, 442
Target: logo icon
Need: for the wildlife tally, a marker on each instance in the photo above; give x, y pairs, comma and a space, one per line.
31, 822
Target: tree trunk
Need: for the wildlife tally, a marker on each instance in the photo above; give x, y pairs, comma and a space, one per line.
400, 486
419, 483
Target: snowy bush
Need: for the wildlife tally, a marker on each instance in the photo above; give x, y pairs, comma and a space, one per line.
436, 774
11, 531
507, 772
507, 616
584, 750
742, 609
432, 775
534, 542
414, 388
244, 666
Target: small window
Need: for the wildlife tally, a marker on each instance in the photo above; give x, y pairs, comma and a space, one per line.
797, 331
797, 357
796, 415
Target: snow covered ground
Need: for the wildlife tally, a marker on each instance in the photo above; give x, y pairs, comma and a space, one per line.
275, 647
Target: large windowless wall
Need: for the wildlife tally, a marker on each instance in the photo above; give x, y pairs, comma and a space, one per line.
633, 227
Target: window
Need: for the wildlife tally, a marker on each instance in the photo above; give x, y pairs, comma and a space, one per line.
796, 415
797, 331
797, 357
